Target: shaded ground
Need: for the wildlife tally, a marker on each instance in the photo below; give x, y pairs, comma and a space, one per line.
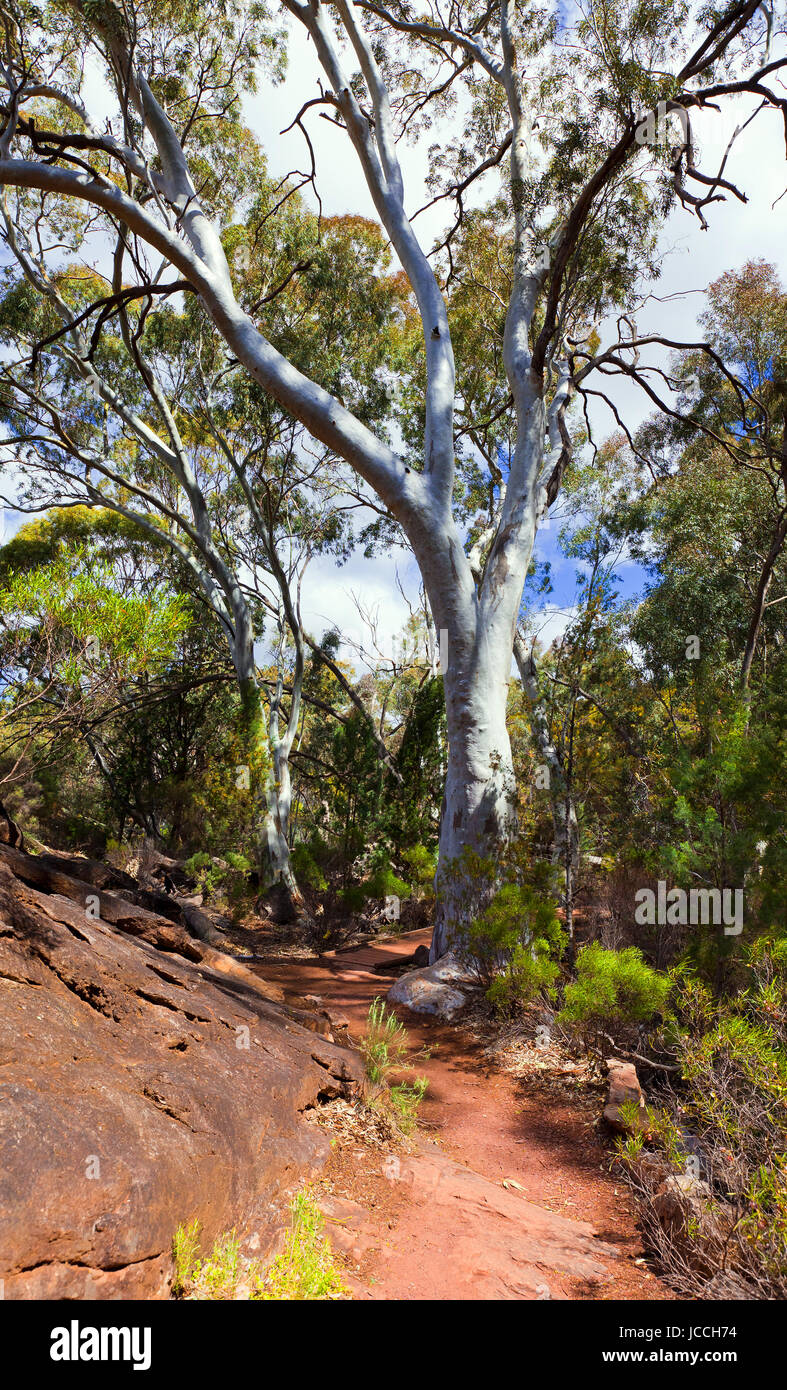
508, 1191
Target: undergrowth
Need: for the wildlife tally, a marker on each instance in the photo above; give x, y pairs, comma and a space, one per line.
304, 1270
384, 1051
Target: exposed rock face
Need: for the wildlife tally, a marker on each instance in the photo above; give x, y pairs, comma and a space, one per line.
437, 989
624, 1090
146, 1080
497, 1244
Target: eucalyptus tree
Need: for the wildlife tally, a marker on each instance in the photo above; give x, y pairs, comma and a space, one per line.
561, 105
729, 445
151, 419
91, 633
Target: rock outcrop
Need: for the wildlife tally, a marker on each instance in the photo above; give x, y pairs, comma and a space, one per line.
495, 1244
147, 1079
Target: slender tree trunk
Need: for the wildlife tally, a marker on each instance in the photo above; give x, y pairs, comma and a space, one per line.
568, 805
761, 594
278, 801
278, 797
267, 775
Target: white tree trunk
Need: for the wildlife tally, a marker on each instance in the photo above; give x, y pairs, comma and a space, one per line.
479, 805
279, 873
269, 781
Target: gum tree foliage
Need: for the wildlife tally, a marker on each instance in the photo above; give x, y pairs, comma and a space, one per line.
175, 439
557, 107
368, 780
118, 696
90, 639
738, 458
585, 671
679, 760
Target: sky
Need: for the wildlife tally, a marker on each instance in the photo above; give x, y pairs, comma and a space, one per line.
693, 258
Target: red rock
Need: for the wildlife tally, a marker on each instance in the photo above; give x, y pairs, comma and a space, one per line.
624, 1089
140, 1087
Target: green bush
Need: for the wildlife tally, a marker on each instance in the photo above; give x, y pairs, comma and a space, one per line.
384, 1050
217, 1276
196, 863
422, 865
305, 1270
750, 1107
530, 971
238, 862
227, 877
307, 871
185, 1253
405, 1099
384, 883
731, 1054
612, 989
519, 916
384, 1044
353, 897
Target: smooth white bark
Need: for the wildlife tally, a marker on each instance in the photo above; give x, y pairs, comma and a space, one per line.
479, 615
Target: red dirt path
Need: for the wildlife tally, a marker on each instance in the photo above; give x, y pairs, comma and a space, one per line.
441, 1231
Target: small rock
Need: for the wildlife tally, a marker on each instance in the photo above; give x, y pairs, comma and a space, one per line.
682, 1206
624, 1088
434, 989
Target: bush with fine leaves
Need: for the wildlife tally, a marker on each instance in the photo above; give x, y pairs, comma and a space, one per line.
613, 989
514, 944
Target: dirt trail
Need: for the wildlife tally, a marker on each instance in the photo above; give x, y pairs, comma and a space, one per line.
441, 1223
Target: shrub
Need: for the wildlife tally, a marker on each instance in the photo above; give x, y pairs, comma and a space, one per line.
613, 989
384, 883
728, 1120
422, 865
384, 1049
185, 1250
197, 863
405, 1099
384, 1044
238, 862
352, 898
217, 1276
763, 1228
307, 871
529, 972
518, 916
738, 1079
305, 1269
227, 876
